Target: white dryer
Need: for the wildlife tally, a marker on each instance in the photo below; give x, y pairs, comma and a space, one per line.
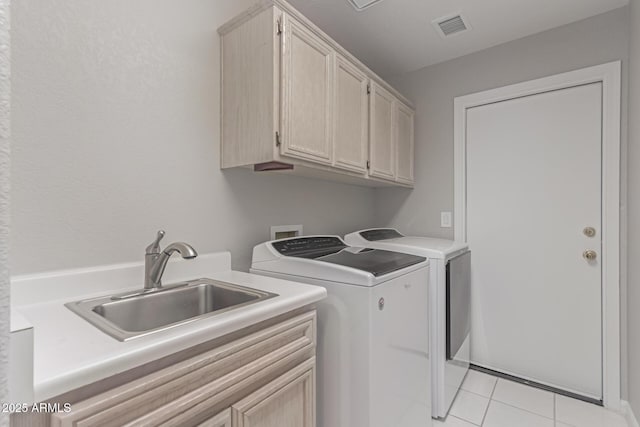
373, 367
449, 298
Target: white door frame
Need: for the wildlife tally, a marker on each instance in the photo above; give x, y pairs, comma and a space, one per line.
609, 75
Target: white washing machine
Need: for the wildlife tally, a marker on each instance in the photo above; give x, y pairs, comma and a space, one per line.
449, 298
372, 355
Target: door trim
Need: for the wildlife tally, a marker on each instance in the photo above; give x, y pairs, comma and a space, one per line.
610, 77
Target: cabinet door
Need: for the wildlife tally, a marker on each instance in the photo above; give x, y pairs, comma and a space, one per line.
287, 401
351, 117
404, 143
223, 419
186, 392
307, 80
381, 139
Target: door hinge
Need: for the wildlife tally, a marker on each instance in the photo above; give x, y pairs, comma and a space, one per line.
278, 139
279, 27
368, 164
368, 88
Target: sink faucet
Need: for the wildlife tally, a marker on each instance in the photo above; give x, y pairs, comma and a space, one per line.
155, 260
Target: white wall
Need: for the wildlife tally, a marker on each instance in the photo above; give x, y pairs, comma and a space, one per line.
5, 109
116, 133
596, 40
633, 161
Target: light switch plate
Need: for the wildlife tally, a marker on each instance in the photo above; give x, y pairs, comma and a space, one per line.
445, 220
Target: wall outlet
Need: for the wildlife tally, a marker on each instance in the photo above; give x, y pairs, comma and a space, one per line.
285, 231
446, 220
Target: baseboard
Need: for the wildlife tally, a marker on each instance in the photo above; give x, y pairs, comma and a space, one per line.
628, 412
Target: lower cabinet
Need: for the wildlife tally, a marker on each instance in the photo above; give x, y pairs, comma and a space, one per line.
287, 401
265, 379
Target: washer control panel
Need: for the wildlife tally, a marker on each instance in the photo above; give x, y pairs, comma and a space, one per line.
306, 245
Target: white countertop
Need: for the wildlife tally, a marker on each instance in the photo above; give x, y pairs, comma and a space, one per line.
69, 352
18, 322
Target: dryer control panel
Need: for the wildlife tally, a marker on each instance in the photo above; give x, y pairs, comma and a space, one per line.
380, 234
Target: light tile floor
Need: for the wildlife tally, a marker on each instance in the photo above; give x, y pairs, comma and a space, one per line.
488, 401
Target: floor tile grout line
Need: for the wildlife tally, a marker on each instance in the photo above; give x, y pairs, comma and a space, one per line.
478, 394
523, 410
463, 420
491, 399
475, 394
481, 395
553, 417
493, 390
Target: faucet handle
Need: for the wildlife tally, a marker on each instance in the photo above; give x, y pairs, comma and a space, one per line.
154, 248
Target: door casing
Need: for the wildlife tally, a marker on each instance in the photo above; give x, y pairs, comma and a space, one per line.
609, 75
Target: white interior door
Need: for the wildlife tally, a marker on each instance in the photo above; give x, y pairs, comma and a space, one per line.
533, 184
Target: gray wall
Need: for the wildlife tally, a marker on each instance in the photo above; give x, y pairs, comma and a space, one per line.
596, 40
593, 41
633, 162
5, 132
116, 134
115, 124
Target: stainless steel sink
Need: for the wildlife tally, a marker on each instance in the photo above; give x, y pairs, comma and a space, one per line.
135, 314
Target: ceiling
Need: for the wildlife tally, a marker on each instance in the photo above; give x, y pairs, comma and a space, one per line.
396, 36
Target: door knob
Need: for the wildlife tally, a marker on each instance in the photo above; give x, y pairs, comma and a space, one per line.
590, 255
589, 231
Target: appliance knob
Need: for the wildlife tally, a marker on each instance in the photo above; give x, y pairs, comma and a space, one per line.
381, 304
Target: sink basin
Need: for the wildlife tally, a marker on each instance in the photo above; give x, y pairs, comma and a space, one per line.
131, 315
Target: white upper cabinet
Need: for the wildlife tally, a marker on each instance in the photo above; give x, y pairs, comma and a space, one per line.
382, 139
391, 137
404, 143
307, 94
351, 117
295, 100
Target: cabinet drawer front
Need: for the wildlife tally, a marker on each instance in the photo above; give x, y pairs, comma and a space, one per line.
191, 408
307, 81
149, 400
287, 401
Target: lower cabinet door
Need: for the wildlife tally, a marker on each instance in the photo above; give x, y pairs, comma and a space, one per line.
223, 419
287, 401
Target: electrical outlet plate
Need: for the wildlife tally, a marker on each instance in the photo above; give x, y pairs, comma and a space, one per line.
285, 231
446, 220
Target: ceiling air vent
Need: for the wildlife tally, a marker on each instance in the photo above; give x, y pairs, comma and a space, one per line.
361, 5
450, 25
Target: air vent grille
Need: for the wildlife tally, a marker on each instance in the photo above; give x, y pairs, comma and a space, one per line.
361, 5
451, 25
